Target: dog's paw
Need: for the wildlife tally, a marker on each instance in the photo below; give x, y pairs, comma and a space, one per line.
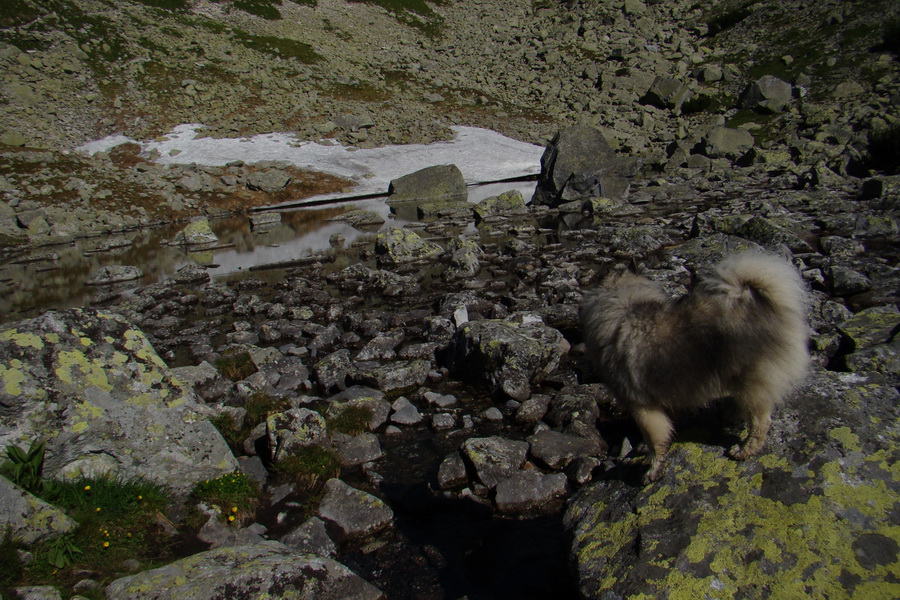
738, 452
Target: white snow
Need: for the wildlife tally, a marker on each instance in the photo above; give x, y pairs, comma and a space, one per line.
482, 155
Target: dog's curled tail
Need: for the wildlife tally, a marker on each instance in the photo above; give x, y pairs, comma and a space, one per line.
762, 279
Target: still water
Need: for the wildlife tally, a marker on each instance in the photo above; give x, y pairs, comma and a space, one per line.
55, 277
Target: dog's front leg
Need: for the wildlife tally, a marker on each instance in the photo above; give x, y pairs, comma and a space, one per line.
657, 430
760, 416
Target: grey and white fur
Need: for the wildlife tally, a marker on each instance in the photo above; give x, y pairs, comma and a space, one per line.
742, 331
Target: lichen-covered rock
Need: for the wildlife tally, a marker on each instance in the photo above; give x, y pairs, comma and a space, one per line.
92, 387
494, 458
265, 570
196, 233
28, 518
508, 355
666, 92
507, 203
465, 259
812, 517
395, 376
352, 512
556, 450
871, 326
293, 429
398, 246
441, 181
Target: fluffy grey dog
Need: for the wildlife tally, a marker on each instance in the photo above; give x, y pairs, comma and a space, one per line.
742, 332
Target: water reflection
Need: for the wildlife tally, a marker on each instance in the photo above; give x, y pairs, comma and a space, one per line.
54, 277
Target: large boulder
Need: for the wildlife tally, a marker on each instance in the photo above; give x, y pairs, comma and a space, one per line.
28, 518
579, 164
768, 94
430, 183
92, 387
813, 516
266, 570
666, 92
509, 355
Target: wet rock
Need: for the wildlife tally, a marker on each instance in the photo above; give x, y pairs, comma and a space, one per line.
556, 450
405, 412
197, 232
358, 449
438, 182
396, 376
191, 274
93, 387
776, 516
508, 355
266, 221
494, 459
465, 259
112, 274
269, 568
529, 490
452, 472
294, 429
311, 537
768, 95
507, 203
353, 513
360, 218
29, 519
398, 246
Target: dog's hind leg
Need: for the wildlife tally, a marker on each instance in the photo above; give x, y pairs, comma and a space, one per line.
657, 430
758, 408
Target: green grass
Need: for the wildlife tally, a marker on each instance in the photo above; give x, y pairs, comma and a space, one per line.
351, 419
309, 467
235, 495
118, 520
235, 365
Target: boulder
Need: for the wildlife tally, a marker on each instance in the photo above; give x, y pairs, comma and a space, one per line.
29, 519
269, 569
579, 164
494, 458
465, 259
871, 327
727, 142
351, 512
430, 183
405, 412
357, 397
92, 387
768, 95
666, 92
197, 232
269, 180
556, 450
311, 537
394, 376
293, 429
507, 203
812, 514
397, 246
509, 355
529, 490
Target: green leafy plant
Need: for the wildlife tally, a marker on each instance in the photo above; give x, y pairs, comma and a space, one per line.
25, 469
309, 467
61, 551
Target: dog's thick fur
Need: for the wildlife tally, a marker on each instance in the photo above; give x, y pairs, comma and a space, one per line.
741, 332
